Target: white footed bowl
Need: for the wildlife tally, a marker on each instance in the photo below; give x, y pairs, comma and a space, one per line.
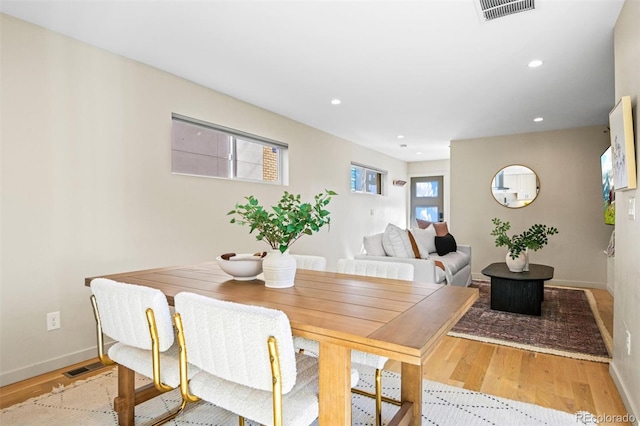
242, 266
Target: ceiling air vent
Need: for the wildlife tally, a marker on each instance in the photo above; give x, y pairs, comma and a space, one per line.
493, 9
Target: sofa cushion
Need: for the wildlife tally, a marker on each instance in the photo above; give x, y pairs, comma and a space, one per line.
419, 252
426, 239
396, 242
373, 245
441, 276
445, 244
454, 261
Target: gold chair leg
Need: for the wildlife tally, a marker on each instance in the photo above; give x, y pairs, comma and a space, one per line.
274, 360
377, 396
170, 416
373, 396
184, 377
155, 352
240, 421
104, 358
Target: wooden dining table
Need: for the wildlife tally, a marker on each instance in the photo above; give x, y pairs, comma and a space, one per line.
401, 320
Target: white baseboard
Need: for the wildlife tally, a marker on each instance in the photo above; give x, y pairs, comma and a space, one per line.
610, 289
562, 283
479, 277
581, 284
629, 403
9, 377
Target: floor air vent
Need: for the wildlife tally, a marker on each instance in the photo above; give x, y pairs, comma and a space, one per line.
493, 9
82, 370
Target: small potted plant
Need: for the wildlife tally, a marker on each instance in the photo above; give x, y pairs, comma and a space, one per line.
282, 226
533, 238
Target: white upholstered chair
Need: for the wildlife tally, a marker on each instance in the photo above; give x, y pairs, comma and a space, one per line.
371, 268
247, 360
139, 320
315, 263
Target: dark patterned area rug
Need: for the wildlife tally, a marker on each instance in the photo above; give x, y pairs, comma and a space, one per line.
569, 325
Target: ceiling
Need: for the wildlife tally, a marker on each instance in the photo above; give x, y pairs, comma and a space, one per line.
429, 70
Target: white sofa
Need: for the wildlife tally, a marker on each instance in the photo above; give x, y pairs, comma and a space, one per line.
395, 245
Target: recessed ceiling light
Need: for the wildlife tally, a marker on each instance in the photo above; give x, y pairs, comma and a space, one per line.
400, 136
538, 119
419, 153
336, 101
535, 64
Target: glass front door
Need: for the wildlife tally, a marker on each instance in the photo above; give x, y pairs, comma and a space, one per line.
427, 199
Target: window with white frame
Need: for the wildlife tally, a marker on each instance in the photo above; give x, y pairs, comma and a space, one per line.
205, 149
367, 180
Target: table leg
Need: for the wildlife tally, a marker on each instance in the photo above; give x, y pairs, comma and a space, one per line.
124, 403
518, 296
334, 385
411, 390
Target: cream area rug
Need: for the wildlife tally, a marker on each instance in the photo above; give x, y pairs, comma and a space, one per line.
89, 403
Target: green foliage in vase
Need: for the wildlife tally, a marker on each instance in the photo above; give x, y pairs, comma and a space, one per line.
287, 221
533, 238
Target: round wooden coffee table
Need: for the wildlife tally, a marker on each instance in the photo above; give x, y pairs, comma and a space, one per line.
519, 292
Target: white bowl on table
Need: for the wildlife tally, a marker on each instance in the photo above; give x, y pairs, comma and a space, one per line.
241, 266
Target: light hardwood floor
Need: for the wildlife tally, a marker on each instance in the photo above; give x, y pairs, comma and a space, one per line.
35, 386
550, 381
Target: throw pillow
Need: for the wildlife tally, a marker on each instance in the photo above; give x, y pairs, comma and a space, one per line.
423, 224
441, 228
426, 240
373, 245
445, 244
396, 242
414, 245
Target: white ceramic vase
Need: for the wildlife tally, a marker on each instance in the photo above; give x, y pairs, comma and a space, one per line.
519, 263
279, 269
526, 263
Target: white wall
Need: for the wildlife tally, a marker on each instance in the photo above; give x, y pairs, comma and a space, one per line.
568, 165
87, 189
625, 368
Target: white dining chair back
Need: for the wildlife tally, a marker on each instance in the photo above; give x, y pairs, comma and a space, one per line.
375, 268
229, 340
247, 361
139, 320
314, 263
122, 309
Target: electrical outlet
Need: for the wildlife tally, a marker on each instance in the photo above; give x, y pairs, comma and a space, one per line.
632, 208
53, 321
628, 342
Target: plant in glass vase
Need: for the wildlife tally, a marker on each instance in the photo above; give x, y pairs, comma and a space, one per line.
281, 226
534, 238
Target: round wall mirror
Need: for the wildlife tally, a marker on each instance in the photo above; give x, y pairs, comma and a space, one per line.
515, 186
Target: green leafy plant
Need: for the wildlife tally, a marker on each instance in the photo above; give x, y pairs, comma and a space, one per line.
287, 221
533, 238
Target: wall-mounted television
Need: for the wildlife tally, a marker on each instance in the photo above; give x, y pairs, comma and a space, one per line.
608, 193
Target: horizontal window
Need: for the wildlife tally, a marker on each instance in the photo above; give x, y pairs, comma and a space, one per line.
205, 149
367, 180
